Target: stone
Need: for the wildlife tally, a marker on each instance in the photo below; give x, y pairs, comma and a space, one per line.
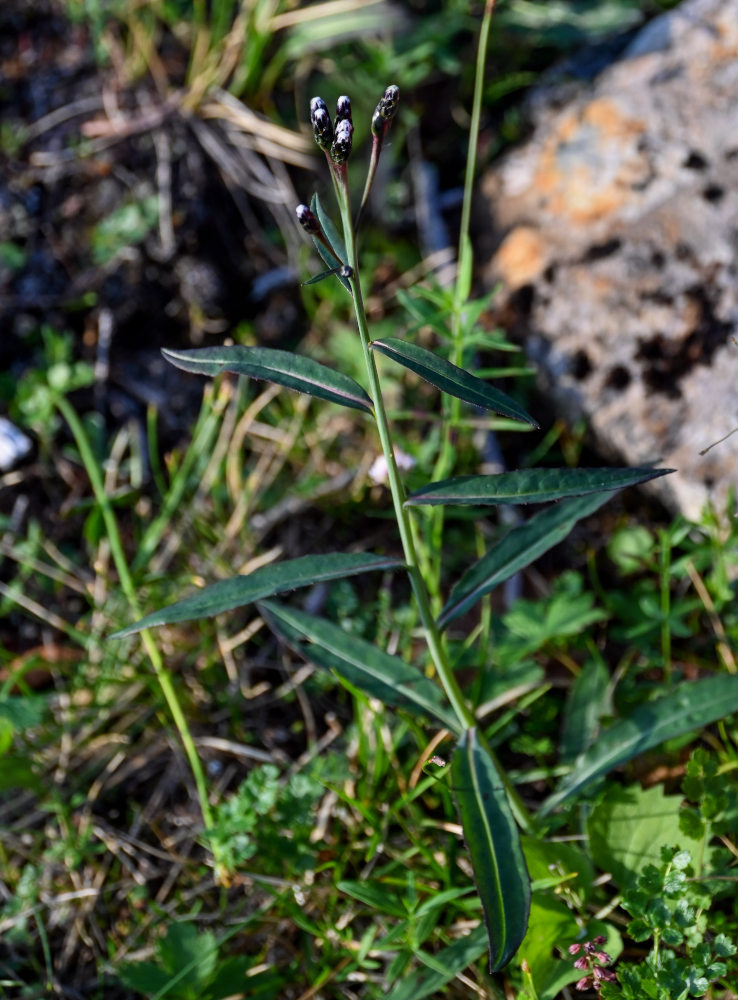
614, 236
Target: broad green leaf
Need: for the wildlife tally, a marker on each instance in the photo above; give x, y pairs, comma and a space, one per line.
494, 845
551, 929
628, 827
549, 860
454, 959
335, 240
225, 595
451, 379
283, 367
517, 549
184, 947
551, 925
529, 486
585, 706
567, 611
381, 676
690, 707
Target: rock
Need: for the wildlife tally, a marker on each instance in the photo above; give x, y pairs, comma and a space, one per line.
615, 238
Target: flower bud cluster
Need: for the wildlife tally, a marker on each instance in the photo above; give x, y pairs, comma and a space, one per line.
336, 141
592, 954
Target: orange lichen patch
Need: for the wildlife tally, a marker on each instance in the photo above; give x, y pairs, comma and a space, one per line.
726, 41
521, 257
604, 114
588, 163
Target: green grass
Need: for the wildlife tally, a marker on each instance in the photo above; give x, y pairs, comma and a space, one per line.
333, 865
348, 873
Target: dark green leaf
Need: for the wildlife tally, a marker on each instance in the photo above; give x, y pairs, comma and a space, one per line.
690, 707
225, 595
494, 845
319, 277
381, 676
587, 703
453, 960
335, 240
451, 379
283, 367
517, 549
529, 485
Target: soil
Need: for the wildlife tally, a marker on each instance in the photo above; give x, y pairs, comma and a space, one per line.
77, 156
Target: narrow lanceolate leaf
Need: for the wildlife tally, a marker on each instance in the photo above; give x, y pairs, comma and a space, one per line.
336, 241
321, 277
517, 549
283, 367
225, 595
690, 707
381, 676
529, 486
451, 379
494, 845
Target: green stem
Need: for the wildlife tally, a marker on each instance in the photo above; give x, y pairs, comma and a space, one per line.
433, 637
116, 548
452, 405
397, 489
664, 582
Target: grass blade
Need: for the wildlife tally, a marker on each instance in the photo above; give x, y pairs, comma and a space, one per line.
450, 379
452, 960
690, 707
294, 371
375, 672
529, 486
517, 549
225, 595
494, 845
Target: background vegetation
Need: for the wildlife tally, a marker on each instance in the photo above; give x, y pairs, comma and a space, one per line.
163, 215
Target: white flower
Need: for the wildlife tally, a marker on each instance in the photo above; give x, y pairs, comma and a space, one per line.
378, 470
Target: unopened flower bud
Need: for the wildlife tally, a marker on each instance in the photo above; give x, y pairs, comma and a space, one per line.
308, 220
385, 110
343, 109
342, 142
321, 122
387, 107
